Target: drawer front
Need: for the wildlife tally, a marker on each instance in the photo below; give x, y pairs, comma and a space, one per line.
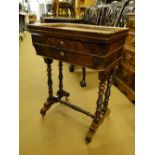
127, 75
94, 62
129, 56
63, 55
96, 49
49, 41
130, 39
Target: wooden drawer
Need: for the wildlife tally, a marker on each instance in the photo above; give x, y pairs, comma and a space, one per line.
95, 62
60, 54
130, 39
57, 42
129, 56
127, 74
125, 89
86, 47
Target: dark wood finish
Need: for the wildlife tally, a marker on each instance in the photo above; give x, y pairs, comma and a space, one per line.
98, 113
83, 81
71, 68
107, 94
102, 106
46, 19
77, 108
125, 76
96, 47
50, 99
61, 92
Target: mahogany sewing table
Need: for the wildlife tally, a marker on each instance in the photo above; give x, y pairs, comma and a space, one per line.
96, 47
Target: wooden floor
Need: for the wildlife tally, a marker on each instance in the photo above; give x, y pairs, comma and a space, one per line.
63, 130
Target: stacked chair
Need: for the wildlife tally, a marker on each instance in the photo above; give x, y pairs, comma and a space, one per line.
113, 14
64, 6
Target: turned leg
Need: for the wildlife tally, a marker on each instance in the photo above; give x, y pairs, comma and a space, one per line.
98, 113
61, 92
50, 99
71, 68
83, 81
107, 94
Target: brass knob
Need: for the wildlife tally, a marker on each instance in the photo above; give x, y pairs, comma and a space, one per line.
61, 42
116, 67
128, 56
62, 53
124, 74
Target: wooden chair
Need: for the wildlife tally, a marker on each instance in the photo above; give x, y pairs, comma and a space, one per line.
113, 14
130, 8
64, 6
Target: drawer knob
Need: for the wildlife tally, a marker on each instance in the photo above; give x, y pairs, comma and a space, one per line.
61, 42
62, 53
128, 56
116, 67
124, 74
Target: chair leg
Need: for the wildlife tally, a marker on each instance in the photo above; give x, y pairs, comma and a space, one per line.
71, 68
83, 82
72, 12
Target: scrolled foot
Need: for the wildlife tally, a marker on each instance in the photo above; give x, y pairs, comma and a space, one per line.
45, 108
89, 136
47, 105
43, 111
91, 131
83, 83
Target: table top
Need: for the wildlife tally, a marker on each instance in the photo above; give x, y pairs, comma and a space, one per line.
80, 31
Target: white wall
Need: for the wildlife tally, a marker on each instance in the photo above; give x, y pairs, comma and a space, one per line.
38, 7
